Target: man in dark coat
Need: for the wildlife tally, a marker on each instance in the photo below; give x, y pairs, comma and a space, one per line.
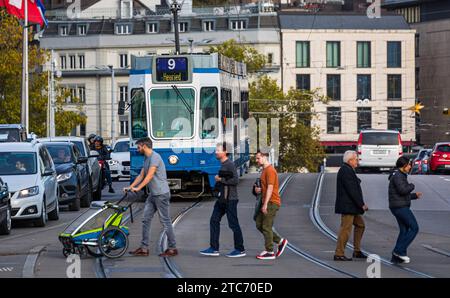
351, 206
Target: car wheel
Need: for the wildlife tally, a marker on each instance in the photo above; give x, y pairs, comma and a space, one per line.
54, 215
42, 220
87, 198
6, 224
75, 205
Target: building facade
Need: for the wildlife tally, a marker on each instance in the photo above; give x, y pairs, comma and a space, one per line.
366, 68
105, 34
431, 20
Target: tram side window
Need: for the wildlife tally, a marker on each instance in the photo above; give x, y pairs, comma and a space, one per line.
210, 113
138, 114
244, 105
226, 105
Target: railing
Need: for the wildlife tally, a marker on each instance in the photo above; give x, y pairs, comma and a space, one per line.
114, 13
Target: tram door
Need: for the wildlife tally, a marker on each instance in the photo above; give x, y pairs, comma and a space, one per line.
236, 129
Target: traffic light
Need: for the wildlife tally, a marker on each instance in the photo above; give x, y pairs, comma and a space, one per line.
445, 111
417, 107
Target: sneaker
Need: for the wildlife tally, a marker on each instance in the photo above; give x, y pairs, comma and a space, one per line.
266, 255
281, 246
236, 254
342, 259
405, 259
210, 252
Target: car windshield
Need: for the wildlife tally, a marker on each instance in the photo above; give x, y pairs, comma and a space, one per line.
122, 147
443, 148
422, 154
61, 153
380, 138
9, 135
18, 163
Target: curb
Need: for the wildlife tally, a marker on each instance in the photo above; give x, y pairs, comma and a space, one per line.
30, 262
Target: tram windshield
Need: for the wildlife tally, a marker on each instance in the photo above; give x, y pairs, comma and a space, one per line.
172, 112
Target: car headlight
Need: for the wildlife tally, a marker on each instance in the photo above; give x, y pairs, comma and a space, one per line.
173, 159
113, 162
63, 177
29, 192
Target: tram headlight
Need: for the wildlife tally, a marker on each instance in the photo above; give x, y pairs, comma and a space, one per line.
173, 159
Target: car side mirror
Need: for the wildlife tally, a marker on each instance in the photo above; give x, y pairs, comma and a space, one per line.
122, 106
48, 173
82, 159
93, 153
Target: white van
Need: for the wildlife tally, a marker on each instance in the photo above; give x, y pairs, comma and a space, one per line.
379, 149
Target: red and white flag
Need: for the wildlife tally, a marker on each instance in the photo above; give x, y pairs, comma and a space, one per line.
16, 8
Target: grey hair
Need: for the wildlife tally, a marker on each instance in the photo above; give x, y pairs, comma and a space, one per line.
349, 155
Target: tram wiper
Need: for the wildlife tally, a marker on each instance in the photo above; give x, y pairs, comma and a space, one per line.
177, 91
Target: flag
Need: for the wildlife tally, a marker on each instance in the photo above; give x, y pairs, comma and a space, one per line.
36, 10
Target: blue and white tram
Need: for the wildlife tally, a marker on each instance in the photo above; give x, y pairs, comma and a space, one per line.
187, 104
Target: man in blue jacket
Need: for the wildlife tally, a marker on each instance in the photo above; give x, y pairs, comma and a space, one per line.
351, 206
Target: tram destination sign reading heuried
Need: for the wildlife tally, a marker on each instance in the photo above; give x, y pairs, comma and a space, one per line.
173, 69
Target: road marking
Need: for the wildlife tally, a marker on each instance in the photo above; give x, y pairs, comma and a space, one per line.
30, 263
436, 250
447, 180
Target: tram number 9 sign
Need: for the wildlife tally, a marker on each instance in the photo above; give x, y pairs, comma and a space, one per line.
172, 69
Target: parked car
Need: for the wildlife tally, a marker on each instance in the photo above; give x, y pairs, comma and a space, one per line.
426, 162
29, 171
440, 158
5, 209
13, 133
120, 159
74, 183
94, 167
379, 149
420, 163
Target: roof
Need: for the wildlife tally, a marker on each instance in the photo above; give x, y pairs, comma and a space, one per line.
18, 147
362, 22
61, 139
19, 126
58, 143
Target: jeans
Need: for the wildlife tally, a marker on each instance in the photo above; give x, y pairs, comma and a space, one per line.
108, 174
153, 204
230, 209
408, 229
264, 223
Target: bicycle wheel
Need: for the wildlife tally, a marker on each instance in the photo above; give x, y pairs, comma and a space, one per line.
113, 243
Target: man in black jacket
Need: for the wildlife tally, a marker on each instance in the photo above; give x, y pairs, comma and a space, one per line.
400, 196
351, 206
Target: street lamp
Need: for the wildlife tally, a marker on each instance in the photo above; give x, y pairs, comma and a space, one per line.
113, 83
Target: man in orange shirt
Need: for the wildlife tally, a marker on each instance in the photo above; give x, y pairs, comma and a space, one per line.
271, 203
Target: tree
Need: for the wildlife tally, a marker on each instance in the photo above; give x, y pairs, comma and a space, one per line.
241, 53
11, 79
299, 141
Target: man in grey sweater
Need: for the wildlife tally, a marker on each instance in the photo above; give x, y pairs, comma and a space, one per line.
226, 183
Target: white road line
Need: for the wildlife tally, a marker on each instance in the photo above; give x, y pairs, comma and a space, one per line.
30, 263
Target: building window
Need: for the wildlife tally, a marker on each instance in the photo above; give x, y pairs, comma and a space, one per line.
363, 54
64, 30
334, 87
123, 60
304, 82
152, 27
394, 51
238, 24
82, 94
183, 26
411, 14
394, 87
123, 128
417, 78
123, 29
333, 54
302, 54
63, 61
72, 96
82, 29
364, 86
123, 93
82, 61
208, 26
333, 120
270, 59
73, 61
364, 118
82, 130
395, 119
126, 9
417, 40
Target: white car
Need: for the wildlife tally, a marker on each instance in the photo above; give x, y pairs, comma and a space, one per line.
31, 176
120, 159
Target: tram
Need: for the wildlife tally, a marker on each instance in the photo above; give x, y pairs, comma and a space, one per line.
187, 104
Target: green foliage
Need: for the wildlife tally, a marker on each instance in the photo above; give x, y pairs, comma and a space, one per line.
299, 142
241, 53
